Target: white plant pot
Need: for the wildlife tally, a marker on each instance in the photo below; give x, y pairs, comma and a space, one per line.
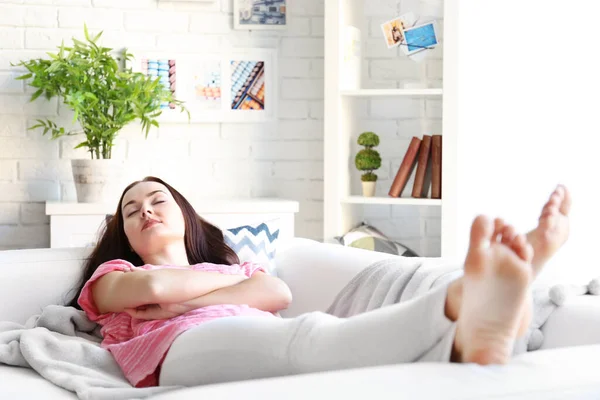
97, 181
368, 189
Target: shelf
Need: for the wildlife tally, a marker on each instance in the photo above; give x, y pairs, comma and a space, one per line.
407, 201
392, 92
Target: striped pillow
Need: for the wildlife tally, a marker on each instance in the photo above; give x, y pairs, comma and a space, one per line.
255, 243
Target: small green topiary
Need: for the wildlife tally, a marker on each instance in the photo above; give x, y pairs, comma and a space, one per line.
368, 159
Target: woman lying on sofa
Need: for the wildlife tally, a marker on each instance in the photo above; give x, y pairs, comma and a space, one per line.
169, 294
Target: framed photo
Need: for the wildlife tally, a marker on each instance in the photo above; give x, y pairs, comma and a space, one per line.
421, 37
259, 14
235, 86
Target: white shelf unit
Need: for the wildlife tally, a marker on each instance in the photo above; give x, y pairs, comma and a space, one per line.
342, 203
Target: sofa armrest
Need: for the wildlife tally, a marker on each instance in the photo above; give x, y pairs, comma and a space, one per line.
575, 323
316, 272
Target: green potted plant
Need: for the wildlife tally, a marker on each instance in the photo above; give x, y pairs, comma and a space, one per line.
104, 97
368, 160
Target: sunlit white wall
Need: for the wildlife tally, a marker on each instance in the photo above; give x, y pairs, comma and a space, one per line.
529, 110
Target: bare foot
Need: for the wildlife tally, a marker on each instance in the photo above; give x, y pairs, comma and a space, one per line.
494, 308
553, 228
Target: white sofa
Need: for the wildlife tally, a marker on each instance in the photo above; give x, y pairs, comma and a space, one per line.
316, 272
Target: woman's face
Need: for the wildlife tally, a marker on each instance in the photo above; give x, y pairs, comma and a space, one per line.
151, 218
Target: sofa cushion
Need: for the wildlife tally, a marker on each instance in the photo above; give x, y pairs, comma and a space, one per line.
255, 243
25, 383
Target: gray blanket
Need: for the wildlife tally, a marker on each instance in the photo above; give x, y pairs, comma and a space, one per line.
63, 346
401, 279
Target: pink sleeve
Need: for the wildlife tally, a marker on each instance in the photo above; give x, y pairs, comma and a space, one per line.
249, 268
86, 300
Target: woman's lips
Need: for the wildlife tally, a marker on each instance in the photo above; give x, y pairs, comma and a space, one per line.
149, 224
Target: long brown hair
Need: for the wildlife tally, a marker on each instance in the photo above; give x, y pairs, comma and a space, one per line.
204, 242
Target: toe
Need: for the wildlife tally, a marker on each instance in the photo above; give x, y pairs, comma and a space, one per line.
565, 205
481, 232
498, 228
508, 234
522, 248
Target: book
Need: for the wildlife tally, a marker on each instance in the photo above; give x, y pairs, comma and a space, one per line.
436, 167
419, 189
406, 167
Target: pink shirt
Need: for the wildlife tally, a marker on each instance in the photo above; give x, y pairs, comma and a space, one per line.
139, 346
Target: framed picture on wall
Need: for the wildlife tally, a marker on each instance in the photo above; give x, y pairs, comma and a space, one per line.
259, 14
235, 86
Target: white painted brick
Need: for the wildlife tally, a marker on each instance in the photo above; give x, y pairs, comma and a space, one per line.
25, 148
68, 192
317, 109
214, 23
293, 109
375, 26
220, 149
8, 170
9, 213
47, 170
189, 131
317, 68
317, 26
310, 89
11, 38
163, 22
34, 214
303, 130
396, 69
376, 48
298, 26
294, 67
143, 4
288, 150
433, 227
25, 237
249, 39
8, 83
137, 40
371, 212
12, 125
414, 127
244, 169
286, 189
214, 188
434, 108
406, 211
388, 8
29, 191
11, 15
435, 69
302, 47
94, 18
41, 17
158, 149
50, 39
134, 131
189, 43
379, 84
292, 170
385, 129
395, 108
311, 210
8, 57
77, 3
227, 6
306, 7
251, 131
430, 211
309, 229
432, 247
189, 6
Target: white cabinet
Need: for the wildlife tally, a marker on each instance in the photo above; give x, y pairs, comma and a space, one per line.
78, 224
348, 93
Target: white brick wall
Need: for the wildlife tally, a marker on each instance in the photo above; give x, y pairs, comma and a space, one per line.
283, 159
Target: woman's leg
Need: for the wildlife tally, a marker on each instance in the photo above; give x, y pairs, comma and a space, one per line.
494, 293
241, 348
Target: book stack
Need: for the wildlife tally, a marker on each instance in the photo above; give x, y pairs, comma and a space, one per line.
425, 156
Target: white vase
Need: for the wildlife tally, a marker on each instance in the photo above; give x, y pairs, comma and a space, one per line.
368, 189
97, 181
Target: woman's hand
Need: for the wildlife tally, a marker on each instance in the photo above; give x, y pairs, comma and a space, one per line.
158, 311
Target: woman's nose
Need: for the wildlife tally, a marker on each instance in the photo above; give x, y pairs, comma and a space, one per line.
146, 211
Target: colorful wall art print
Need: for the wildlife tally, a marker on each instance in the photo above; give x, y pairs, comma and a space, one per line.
247, 85
259, 14
207, 84
166, 70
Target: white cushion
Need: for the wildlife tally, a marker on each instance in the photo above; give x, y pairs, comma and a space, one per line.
545, 374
